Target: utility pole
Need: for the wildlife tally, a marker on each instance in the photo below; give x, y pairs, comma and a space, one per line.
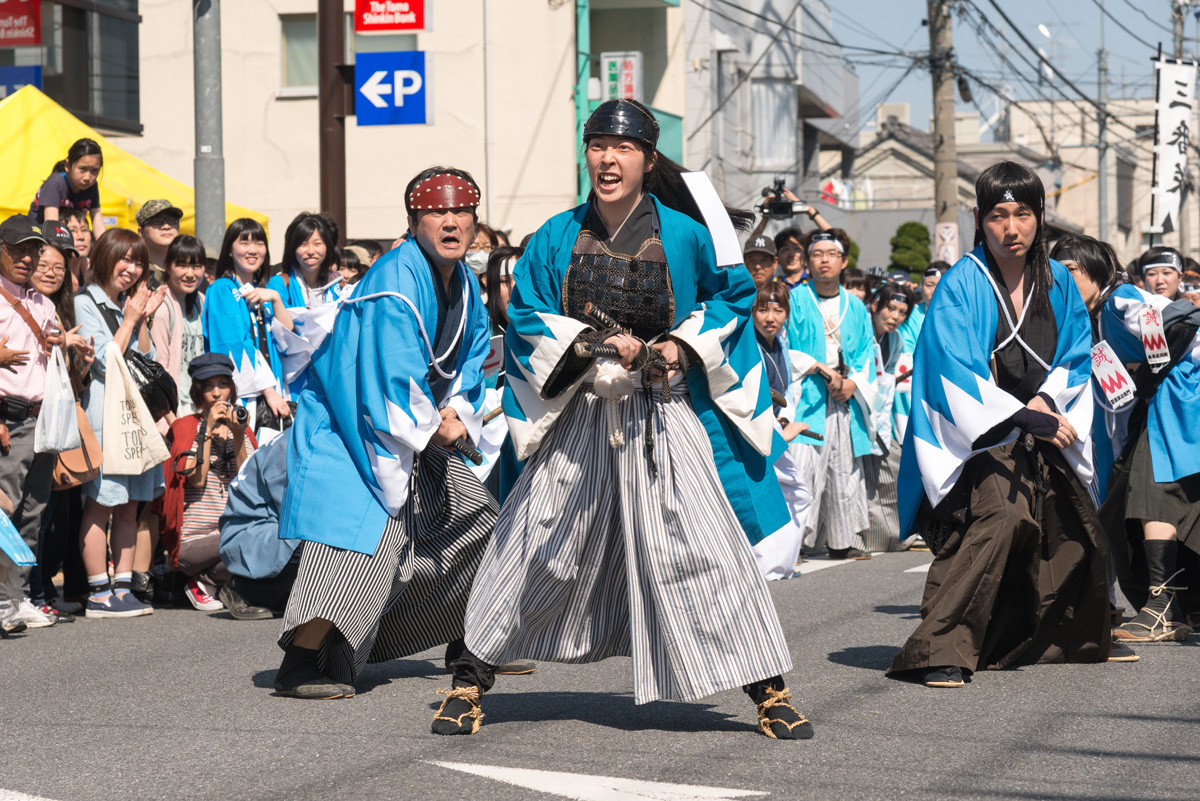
209, 162
331, 52
945, 151
1178, 15
1102, 128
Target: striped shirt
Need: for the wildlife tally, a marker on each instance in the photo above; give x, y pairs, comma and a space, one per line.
203, 506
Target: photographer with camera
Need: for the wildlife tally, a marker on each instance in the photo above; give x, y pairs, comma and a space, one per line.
207, 450
782, 204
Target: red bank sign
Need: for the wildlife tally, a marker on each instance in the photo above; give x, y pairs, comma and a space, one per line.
20, 23
387, 15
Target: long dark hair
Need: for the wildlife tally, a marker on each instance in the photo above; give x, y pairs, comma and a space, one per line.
242, 226
81, 148
1098, 260
186, 249
496, 260
298, 232
993, 187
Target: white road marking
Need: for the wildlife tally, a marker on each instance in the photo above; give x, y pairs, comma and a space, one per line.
581, 787
13, 795
919, 568
812, 564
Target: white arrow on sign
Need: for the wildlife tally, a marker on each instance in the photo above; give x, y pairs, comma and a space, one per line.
374, 91
404, 82
581, 787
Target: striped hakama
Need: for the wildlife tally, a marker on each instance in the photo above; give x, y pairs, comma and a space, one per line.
593, 558
839, 499
883, 508
412, 593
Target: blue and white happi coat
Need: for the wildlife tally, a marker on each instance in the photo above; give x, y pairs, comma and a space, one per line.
368, 409
231, 327
312, 320
1172, 414
729, 390
806, 341
955, 399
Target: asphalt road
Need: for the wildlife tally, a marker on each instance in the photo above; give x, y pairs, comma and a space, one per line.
179, 705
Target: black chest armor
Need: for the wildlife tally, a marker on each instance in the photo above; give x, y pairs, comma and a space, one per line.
633, 289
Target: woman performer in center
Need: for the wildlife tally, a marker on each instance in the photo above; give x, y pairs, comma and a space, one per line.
997, 455
626, 532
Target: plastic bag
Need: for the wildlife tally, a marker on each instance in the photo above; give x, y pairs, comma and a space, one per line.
12, 544
57, 428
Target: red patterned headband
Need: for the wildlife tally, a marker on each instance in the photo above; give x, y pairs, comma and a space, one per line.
443, 191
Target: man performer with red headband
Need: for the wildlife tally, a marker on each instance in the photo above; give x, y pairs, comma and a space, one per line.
394, 521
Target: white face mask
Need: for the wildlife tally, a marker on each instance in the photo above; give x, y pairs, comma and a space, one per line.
477, 260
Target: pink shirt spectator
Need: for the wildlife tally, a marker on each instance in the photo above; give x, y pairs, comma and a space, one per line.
29, 380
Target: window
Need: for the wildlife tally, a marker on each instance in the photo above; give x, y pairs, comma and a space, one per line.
89, 60
298, 50
775, 119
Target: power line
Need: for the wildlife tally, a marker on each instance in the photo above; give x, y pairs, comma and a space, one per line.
1121, 25
1149, 18
807, 35
746, 75
1086, 98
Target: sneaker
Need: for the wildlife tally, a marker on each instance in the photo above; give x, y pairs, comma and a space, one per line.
198, 596
61, 617
118, 605
35, 618
65, 607
11, 621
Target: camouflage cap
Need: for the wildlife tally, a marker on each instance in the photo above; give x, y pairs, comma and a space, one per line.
152, 208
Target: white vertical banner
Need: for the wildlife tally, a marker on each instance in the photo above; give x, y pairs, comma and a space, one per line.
1174, 112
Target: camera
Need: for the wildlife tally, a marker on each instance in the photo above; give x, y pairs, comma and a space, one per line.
777, 206
240, 415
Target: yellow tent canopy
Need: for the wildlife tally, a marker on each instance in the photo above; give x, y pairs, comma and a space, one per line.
37, 132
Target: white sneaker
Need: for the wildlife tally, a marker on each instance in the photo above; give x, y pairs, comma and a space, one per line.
11, 621
34, 617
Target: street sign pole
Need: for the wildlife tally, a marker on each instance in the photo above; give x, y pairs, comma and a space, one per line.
331, 52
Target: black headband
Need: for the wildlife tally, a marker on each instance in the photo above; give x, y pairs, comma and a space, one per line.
931, 271
825, 236
899, 298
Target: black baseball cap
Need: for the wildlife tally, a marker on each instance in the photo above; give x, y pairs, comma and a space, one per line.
20, 228
760, 244
207, 365
58, 236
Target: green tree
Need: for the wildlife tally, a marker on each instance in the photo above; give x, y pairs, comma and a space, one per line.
910, 247
852, 257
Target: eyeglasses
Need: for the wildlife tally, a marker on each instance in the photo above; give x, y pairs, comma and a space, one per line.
48, 270
825, 255
31, 249
164, 221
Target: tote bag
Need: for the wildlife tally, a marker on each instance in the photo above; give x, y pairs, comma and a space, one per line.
132, 444
57, 428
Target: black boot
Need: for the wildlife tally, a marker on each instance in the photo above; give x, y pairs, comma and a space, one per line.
142, 587
300, 677
1161, 619
777, 718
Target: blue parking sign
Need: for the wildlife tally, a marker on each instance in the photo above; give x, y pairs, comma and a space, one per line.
13, 78
391, 88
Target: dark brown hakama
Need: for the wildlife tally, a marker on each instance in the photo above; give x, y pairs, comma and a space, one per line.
1005, 590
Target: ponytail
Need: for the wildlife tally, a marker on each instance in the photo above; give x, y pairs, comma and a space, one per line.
81, 148
665, 182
